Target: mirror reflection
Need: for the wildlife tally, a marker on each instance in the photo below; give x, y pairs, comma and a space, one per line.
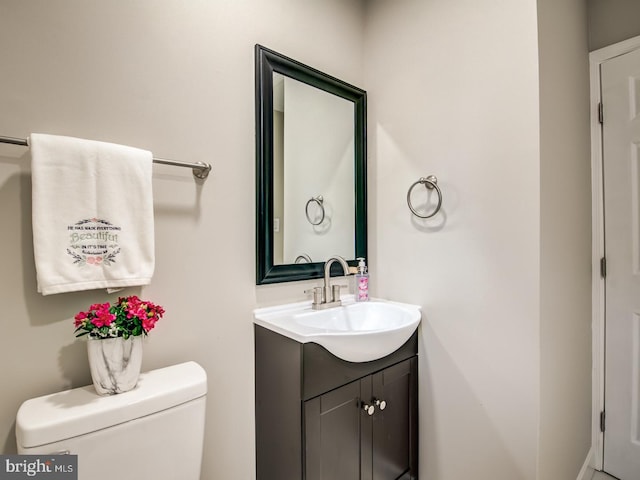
314, 198
310, 169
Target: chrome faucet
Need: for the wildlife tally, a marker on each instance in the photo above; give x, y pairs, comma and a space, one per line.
329, 295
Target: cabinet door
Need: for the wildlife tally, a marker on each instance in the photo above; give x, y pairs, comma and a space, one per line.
395, 427
334, 425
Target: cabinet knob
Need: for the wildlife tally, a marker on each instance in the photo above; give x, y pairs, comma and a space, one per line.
369, 409
381, 404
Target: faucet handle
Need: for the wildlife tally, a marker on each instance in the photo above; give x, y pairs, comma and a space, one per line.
335, 292
317, 294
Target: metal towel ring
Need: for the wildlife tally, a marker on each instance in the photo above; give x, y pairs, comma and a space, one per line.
303, 258
319, 200
429, 182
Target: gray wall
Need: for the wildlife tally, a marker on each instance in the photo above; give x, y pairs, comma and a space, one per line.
493, 100
565, 245
611, 21
177, 78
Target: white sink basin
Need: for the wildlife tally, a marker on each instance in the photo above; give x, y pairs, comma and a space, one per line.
356, 332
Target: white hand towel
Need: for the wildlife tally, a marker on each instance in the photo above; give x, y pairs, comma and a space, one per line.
92, 214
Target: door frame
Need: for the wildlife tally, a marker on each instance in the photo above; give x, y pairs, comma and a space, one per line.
596, 58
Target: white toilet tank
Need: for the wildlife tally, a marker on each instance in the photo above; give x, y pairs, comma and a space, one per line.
154, 431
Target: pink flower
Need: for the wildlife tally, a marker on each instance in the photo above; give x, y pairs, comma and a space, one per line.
155, 310
79, 318
133, 307
136, 311
103, 318
148, 323
101, 315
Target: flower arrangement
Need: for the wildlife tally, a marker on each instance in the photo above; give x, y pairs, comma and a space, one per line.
127, 317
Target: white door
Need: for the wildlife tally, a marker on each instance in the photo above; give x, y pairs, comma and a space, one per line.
620, 83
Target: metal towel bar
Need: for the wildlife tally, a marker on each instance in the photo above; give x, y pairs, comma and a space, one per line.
200, 169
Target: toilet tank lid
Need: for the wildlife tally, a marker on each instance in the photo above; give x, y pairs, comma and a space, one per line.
70, 413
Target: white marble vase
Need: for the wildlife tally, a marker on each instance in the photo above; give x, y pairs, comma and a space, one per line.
114, 363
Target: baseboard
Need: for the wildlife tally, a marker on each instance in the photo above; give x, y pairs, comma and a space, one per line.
587, 471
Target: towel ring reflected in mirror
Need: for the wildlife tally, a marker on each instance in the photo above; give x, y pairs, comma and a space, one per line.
303, 258
430, 183
318, 201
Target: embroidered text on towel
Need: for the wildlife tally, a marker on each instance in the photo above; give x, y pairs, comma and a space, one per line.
93, 241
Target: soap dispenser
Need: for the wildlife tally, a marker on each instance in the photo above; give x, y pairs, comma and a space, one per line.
362, 282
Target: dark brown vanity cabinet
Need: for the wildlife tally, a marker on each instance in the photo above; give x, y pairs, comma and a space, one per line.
321, 418
362, 430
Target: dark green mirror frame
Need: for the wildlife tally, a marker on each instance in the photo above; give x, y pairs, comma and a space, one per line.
266, 63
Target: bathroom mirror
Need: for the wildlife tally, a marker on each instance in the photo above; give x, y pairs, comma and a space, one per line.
311, 197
